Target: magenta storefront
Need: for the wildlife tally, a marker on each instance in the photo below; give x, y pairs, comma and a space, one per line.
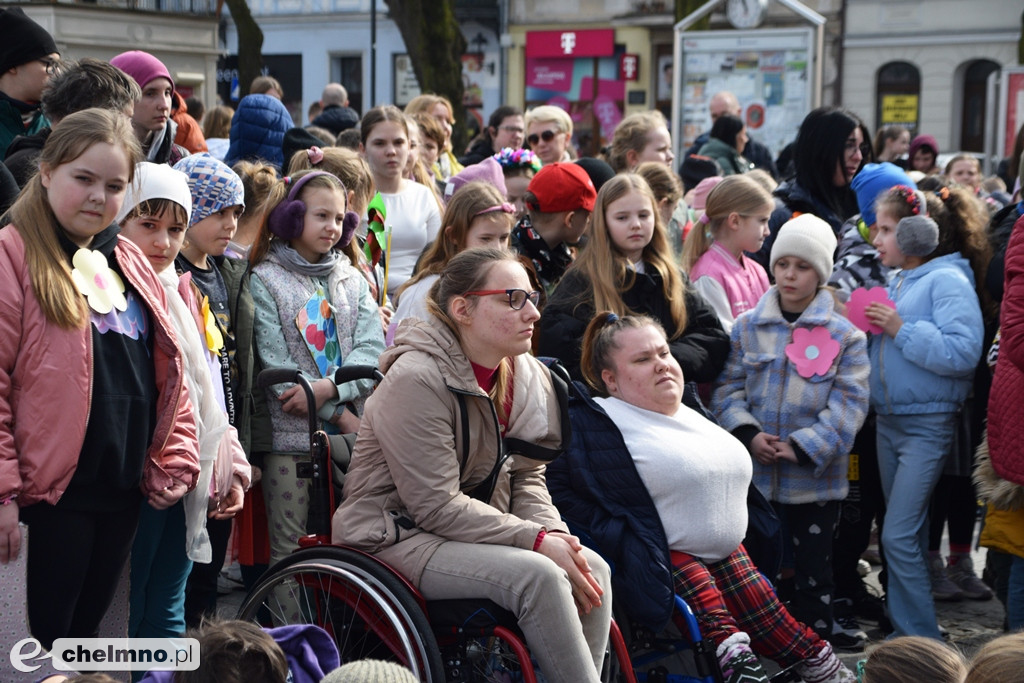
578, 71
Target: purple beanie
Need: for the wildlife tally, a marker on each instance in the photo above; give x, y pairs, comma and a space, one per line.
923, 140
488, 171
142, 66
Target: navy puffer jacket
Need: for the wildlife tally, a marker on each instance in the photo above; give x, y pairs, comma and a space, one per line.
257, 130
597, 489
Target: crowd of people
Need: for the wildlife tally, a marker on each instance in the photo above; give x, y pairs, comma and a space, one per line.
817, 341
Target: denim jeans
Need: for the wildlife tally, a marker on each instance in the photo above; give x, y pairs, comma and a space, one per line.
1015, 594
912, 451
569, 646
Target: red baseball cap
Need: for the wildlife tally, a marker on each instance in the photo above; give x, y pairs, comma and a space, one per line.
562, 187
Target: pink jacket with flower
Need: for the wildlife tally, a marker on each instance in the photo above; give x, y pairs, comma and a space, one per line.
46, 386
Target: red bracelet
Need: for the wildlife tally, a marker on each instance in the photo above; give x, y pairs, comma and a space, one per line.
540, 539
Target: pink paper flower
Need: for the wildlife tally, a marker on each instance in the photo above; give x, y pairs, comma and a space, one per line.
859, 300
812, 351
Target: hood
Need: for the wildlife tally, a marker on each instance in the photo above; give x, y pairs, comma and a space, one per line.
310, 651
433, 338
954, 260
1002, 494
33, 142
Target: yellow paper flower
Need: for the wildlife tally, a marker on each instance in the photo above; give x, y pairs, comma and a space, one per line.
101, 286
214, 339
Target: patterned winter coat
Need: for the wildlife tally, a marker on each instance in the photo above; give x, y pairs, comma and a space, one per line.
760, 387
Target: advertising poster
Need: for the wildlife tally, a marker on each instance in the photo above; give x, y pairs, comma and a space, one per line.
769, 71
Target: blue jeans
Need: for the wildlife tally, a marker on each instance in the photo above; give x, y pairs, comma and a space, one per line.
912, 451
1015, 594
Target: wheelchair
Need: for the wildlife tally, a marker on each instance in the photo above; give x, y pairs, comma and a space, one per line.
372, 612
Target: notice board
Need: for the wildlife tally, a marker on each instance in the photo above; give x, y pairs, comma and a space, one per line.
771, 72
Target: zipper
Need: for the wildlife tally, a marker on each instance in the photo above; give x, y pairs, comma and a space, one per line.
881, 353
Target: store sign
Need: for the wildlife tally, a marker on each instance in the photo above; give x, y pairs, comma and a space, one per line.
549, 74
629, 67
899, 109
592, 43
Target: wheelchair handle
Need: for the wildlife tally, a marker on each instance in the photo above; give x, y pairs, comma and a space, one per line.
351, 373
271, 376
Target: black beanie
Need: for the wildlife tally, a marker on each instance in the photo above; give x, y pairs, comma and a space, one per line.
599, 171
696, 168
294, 140
22, 40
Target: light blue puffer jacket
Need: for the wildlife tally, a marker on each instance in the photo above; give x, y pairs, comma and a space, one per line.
929, 365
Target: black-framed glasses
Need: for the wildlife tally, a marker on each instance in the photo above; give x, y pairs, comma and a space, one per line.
852, 147
52, 65
546, 136
517, 298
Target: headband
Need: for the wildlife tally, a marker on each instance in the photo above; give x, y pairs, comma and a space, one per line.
504, 207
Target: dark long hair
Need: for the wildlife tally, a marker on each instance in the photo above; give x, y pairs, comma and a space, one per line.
726, 128
818, 151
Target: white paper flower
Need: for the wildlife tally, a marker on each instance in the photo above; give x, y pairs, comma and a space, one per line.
102, 287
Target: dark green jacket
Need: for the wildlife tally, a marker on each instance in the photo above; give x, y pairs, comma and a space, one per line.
11, 125
253, 419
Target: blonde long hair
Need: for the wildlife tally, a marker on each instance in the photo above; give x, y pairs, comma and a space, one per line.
734, 194
33, 217
608, 270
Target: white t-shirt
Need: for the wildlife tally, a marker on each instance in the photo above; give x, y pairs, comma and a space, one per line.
696, 472
414, 219
412, 303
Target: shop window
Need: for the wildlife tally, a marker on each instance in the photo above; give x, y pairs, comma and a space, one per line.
348, 70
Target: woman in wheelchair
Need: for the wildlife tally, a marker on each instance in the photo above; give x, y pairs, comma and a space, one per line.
662, 490
446, 483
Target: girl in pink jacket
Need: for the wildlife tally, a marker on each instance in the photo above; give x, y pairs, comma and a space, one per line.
735, 220
94, 415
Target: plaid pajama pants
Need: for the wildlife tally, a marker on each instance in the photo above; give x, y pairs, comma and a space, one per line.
730, 596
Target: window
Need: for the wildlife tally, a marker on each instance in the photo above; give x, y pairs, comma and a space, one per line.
898, 95
348, 70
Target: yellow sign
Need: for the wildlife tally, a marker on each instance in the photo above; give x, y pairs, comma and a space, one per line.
899, 109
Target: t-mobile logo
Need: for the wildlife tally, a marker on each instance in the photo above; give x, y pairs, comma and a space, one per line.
568, 42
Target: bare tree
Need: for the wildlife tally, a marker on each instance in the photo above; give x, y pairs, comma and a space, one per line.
435, 46
250, 43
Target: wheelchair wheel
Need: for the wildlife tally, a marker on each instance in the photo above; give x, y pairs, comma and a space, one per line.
370, 612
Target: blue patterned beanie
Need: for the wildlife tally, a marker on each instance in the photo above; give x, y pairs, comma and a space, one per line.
213, 184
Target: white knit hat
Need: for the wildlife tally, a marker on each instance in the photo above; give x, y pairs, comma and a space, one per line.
370, 671
809, 238
156, 181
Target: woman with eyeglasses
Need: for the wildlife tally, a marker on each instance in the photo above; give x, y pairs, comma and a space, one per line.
504, 129
549, 133
447, 484
831, 146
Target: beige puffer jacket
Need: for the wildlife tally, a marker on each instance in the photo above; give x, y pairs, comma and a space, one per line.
414, 475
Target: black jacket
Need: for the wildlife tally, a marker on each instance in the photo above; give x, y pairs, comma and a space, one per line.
337, 119
701, 351
480, 150
22, 158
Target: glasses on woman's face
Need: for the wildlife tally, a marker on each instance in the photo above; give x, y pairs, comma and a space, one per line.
546, 136
852, 148
517, 298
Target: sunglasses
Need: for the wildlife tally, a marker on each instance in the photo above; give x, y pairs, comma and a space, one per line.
546, 136
517, 298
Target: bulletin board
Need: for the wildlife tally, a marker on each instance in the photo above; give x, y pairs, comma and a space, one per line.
771, 72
